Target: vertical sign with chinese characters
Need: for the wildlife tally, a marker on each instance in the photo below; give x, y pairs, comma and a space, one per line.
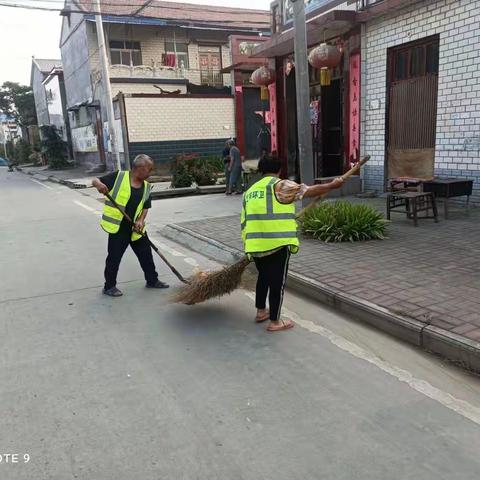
354, 109
273, 116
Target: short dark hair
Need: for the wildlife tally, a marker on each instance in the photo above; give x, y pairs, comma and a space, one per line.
269, 164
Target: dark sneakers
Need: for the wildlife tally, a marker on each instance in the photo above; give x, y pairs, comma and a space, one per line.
159, 284
113, 292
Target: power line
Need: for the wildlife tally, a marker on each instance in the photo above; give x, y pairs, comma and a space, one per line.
208, 8
83, 12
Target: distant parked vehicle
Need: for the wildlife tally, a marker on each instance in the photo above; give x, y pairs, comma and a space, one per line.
3, 162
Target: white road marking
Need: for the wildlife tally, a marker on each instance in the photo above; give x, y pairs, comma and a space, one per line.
42, 184
191, 261
86, 207
461, 407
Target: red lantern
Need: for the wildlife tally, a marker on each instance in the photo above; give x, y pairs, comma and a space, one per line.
263, 76
325, 56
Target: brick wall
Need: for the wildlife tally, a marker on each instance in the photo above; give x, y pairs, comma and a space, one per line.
179, 118
163, 152
457, 22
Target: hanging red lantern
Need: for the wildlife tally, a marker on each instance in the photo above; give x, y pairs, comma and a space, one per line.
325, 56
263, 76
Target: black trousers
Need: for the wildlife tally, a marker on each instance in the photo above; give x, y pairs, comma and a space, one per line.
272, 276
117, 244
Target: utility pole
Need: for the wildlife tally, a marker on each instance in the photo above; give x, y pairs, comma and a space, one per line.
4, 140
106, 86
305, 150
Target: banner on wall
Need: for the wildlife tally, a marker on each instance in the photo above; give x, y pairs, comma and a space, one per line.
84, 139
273, 117
354, 110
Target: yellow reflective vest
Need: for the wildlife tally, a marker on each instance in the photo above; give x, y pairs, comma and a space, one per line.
267, 224
121, 191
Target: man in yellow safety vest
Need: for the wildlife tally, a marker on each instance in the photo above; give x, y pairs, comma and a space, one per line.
131, 191
269, 232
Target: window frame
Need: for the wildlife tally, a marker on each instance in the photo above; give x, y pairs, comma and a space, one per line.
408, 49
129, 47
179, 56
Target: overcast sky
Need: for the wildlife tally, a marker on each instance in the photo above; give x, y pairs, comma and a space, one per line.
25, 33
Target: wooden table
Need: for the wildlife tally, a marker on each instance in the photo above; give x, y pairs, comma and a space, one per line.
448, 188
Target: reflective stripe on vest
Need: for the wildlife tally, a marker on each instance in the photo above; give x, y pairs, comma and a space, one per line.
266, 223
121, 191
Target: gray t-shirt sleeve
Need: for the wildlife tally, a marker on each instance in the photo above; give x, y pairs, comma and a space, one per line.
235, 154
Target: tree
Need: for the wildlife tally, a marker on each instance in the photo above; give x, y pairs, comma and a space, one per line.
54, 148
17, 101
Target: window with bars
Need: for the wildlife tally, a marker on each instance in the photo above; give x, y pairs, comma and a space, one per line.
125, 52
180, 52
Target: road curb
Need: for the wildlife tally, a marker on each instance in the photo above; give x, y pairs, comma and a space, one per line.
188, 191
454, 347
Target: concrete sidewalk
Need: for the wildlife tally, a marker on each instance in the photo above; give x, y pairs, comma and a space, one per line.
79, 178
72, 177
421, 284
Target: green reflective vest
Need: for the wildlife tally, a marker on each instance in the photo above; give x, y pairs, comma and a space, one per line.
121, 191
267, 224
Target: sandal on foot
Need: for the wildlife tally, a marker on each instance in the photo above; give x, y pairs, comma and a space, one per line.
113, 292
262, 319
282, 326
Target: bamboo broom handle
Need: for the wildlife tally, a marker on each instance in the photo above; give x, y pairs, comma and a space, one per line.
346, 175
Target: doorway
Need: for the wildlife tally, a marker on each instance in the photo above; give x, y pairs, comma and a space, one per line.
210, 66
257, 135
332, 129
412, 109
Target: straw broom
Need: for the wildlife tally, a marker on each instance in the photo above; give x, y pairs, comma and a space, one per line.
206, 285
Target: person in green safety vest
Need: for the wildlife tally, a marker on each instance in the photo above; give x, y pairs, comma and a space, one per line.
131, 191
270, 234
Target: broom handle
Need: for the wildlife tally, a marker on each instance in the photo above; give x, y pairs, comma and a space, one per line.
346, 175
144, 234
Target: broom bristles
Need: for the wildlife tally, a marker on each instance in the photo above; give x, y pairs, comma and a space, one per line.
206, 285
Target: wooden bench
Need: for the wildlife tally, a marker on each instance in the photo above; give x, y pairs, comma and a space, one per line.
412, 203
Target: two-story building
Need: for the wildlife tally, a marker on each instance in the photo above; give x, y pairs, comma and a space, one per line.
165, 64
40, 70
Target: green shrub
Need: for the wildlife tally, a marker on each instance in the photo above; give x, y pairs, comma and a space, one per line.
22, 151
215, 162
189, 168
54, 148
343, 222
35, 158
181, 177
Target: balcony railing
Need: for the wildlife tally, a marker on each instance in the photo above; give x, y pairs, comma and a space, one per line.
203, 77
146, 71
213, 78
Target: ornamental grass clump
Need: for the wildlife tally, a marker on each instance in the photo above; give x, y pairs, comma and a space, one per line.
344, 222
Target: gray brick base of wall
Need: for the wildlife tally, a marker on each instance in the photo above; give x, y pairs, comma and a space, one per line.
163, 152
373, 180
